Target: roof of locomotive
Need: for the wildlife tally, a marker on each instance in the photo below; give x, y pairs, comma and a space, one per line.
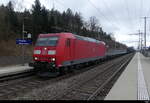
55, 34
73, 36
88, 39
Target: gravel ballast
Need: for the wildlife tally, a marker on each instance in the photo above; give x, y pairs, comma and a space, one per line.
59, 88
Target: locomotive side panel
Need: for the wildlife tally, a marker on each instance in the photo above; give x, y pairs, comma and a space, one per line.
60, 51
102, 49
88, 50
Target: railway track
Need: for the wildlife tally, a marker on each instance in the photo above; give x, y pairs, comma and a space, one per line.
11, 89
103, 90
14, 85
15, 76
99, 85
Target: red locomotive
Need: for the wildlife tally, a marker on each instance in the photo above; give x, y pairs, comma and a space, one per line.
57, 50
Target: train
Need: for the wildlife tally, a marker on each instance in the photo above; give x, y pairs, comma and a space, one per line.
146, 51
54, 52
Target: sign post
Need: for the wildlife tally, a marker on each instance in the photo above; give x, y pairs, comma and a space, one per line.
23, 42
22, 45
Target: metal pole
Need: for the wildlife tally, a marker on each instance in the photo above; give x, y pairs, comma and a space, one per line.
145, 18
115, 44
139, 40
145, 32
22, 44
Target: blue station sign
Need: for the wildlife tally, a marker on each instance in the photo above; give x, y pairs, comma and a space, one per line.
23, 41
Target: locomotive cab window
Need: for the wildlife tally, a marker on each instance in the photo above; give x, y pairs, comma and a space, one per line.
47, 41
68, 42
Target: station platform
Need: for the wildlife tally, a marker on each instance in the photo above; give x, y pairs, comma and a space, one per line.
10, 70
134, 82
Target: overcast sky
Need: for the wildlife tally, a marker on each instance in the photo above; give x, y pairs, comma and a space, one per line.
120, 17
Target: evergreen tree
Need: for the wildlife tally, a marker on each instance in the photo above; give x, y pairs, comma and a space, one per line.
41, 20
36, 19
44, 23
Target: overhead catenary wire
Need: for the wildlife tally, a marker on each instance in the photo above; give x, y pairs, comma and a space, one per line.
64, 5
141, 12
59, 2
141, 7
127, 9
136, 16
110, 12
148, 12
128, 13
101, 14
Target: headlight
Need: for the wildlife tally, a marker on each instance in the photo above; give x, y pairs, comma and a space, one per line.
36, 58
37, 51
53, 59
52, 52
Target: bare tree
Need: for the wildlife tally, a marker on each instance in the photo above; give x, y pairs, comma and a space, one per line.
93, 22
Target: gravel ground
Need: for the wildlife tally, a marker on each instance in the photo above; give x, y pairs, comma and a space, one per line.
57, 89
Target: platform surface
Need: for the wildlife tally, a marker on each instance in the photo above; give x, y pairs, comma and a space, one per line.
134, 82
4, 71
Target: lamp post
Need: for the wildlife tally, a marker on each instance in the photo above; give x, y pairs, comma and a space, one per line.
23, 50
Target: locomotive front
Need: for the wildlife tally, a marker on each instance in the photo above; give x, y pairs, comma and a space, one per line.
44, 55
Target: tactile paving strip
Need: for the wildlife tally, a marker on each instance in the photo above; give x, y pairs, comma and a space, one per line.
142, 89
